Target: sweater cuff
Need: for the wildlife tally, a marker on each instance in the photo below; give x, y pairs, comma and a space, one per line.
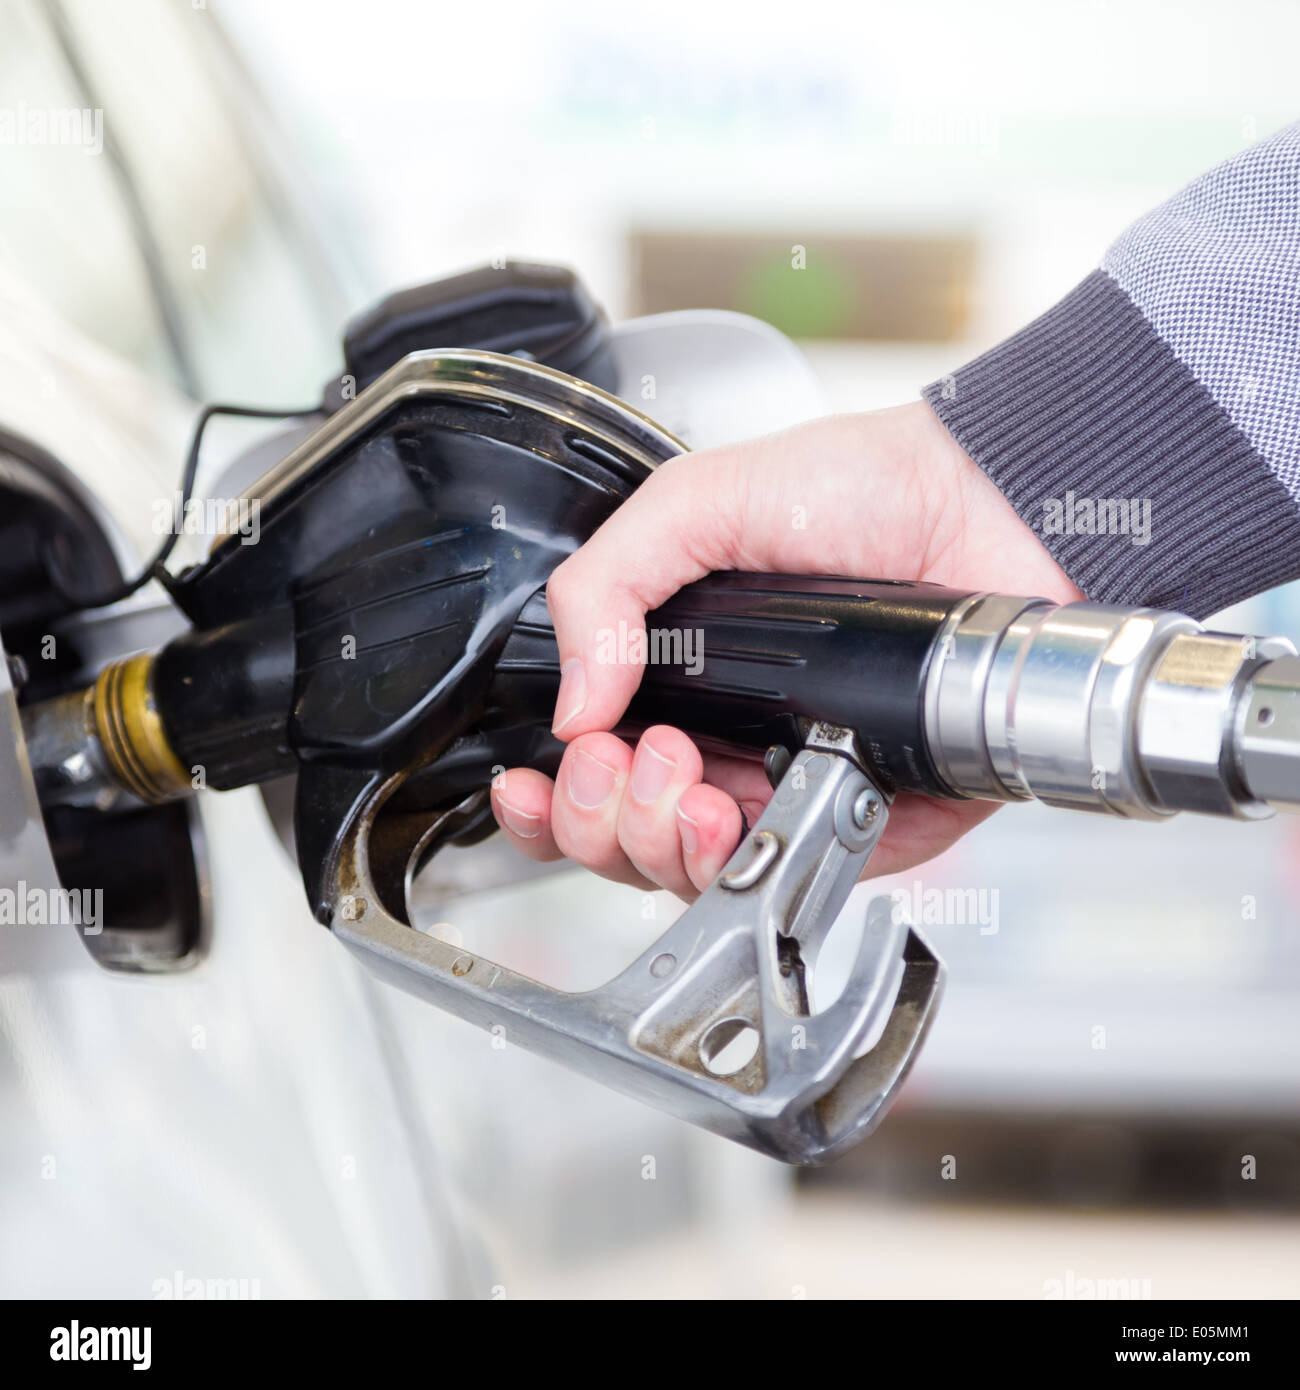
1120, 461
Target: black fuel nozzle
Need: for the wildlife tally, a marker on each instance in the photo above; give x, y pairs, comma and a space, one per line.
390, 625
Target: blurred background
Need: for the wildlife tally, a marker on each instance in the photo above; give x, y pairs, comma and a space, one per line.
1120, 1033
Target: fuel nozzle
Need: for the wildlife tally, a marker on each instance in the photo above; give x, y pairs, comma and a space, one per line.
104, 746
387, 640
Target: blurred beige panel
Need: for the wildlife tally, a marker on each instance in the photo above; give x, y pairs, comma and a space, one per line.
895, 288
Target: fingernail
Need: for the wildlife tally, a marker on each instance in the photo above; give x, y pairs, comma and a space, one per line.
690, 831
521, 823
572, 698
650, 774
590, 781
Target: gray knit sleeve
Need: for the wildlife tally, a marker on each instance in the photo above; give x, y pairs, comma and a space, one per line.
1148, 426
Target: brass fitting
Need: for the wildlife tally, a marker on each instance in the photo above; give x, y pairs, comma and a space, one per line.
131, 732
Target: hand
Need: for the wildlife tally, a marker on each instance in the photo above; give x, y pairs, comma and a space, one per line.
889, 495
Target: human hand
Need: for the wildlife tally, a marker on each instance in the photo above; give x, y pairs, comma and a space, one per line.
886, 495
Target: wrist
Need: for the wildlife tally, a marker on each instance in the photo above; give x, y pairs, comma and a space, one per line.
979, 538
1120, 460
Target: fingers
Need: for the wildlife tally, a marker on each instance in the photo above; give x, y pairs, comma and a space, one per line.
521, 802
647, 818
589, 791
643, 818
679, 526
709, 826
665, 766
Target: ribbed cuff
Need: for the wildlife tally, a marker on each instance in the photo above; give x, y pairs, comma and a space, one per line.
1108, 447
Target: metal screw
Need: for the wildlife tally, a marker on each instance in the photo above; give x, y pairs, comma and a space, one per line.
865, 808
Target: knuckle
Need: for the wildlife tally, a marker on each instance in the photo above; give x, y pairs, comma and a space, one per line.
562, 586
574, 842
646, 840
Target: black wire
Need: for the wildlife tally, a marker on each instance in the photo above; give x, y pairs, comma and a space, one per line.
151, 570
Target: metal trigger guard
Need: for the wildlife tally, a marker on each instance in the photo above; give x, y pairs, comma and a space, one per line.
732, 969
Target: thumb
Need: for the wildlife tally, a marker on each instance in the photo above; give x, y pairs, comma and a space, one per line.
680, 525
